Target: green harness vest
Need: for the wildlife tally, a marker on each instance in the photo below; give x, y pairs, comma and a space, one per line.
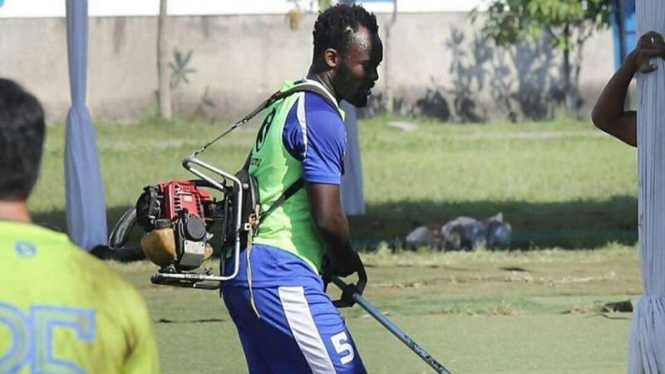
290, 226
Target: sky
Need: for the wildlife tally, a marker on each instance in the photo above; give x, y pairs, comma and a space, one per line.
56, 8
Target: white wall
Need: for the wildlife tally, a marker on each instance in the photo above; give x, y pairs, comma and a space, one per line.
238, 60
56, 8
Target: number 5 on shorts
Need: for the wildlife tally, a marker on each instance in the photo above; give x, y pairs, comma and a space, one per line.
340, 341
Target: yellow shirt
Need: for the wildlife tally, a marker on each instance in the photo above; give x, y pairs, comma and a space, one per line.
63, 311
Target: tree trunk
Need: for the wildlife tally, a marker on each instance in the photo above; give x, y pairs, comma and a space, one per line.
390, 98
567, 70
165, 108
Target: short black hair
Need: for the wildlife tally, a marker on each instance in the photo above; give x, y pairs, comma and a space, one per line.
334, 27
22, 130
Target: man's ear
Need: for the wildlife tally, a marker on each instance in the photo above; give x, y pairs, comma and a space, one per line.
332, 58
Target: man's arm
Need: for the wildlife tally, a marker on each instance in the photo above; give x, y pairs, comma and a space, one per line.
321, 150
608, 113
326, 207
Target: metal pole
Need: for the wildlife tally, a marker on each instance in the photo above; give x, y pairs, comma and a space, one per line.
388, 324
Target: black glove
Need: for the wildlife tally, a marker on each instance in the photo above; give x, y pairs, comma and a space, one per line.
343, 265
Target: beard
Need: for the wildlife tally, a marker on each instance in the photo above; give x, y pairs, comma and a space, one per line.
360, 101
350, 88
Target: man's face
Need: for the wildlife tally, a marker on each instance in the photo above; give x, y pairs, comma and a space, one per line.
357, 72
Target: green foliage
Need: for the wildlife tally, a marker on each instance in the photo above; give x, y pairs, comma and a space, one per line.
324, 4
514, 21
295, 15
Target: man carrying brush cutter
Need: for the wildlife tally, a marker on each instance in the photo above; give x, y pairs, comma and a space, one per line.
285, 320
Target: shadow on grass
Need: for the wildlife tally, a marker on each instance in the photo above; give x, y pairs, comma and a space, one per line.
570, 225
56, 219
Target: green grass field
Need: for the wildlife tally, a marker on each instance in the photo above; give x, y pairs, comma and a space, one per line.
478, 313
568, 191
558, 184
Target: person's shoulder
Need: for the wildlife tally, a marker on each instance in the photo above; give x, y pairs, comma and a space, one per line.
317, 104
75, 276
35, 243
29, 232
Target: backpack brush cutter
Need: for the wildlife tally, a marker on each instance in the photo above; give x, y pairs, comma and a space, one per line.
178, 218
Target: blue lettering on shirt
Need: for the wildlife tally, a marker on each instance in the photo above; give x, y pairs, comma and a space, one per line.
25, 249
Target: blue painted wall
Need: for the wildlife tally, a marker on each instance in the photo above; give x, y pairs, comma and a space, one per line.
625, 34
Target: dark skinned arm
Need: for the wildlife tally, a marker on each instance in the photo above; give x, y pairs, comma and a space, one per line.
326, 207
608, 113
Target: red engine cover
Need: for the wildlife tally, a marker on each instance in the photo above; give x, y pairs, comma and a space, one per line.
180, 195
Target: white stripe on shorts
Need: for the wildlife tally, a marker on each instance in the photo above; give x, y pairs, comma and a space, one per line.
304, 330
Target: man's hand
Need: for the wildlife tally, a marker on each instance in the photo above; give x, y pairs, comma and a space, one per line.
326, 207
650, 45
343, 264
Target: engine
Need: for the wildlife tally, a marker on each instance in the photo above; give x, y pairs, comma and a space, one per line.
176, 217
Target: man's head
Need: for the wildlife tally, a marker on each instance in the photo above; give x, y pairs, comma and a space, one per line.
348, 49
21, 139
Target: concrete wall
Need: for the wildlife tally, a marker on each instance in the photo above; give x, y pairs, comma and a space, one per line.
237, 61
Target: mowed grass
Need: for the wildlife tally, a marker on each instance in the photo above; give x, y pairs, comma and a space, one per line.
533, 308
477, 313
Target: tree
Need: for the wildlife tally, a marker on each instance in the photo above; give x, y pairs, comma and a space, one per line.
568, 23
164, 78
295, 15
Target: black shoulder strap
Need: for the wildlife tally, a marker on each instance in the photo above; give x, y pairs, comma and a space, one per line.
290, 191
304, 87
295, 187
279, 95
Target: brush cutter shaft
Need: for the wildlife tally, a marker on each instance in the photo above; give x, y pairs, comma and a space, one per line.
388, 324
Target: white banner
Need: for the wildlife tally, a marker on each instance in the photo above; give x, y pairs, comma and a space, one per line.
647, 337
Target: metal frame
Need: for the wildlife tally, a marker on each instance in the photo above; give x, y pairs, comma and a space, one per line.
192, 279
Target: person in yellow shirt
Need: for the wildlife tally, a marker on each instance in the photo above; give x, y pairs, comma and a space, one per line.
61, 310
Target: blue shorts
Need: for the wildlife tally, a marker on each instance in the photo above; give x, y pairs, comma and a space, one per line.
299, 331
